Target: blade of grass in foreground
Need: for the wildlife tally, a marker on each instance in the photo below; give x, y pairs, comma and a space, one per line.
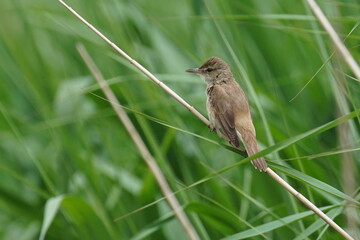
318, 224
313, 182
272, 225
78, 212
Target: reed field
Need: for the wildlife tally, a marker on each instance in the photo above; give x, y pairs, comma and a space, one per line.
70, 170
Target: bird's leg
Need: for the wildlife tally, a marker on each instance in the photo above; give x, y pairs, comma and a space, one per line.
212, 128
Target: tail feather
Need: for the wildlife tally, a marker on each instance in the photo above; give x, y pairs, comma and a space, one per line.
251, 149
249, 140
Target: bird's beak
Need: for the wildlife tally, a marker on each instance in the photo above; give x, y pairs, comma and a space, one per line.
194, 70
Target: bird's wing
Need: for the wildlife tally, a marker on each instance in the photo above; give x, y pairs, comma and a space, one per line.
221, 105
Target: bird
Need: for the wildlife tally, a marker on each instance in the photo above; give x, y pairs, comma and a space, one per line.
228, 108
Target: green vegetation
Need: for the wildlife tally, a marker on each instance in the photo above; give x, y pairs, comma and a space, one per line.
67, 165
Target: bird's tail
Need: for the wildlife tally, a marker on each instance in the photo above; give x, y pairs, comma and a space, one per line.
249, 140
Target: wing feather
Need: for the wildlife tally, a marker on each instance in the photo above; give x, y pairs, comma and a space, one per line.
223, 113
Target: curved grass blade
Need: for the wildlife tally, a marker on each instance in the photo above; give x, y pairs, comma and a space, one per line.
313, 182
51, 208
267, 227
318, 224
81, 214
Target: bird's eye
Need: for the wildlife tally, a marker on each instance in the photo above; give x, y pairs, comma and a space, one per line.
209, 69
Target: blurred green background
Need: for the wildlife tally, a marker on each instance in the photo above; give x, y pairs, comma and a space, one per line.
61, 144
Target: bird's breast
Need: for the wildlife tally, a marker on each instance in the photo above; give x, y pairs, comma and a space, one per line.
210, 111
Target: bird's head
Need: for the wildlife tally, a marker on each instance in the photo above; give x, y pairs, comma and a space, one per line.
212, 70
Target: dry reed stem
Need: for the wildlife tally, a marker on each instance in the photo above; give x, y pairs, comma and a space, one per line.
269, 171
140, 145
344, 52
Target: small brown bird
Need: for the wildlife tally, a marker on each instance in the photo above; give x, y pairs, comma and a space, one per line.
228, 108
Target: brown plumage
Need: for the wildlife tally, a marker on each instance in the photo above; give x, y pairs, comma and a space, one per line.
228, 108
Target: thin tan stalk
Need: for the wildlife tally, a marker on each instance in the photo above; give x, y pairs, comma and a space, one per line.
140, 145
344, 52
270, 172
